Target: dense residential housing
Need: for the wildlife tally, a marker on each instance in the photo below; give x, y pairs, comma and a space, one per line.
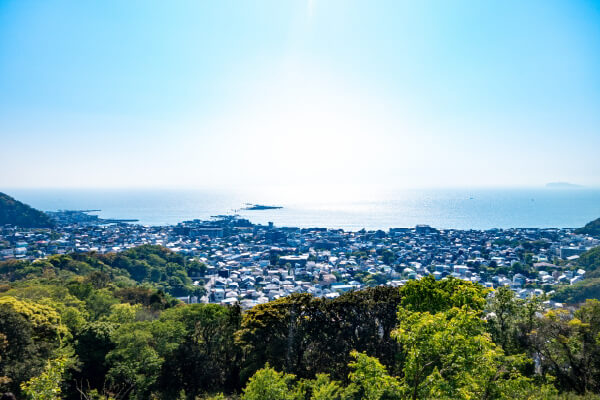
253, 264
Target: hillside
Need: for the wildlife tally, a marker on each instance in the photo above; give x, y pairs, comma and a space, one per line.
80, 321
589, 288
591, 228
13, 212
153, 266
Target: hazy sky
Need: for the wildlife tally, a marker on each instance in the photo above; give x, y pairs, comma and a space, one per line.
204, 93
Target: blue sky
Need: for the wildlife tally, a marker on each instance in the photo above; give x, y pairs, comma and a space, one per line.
225, 93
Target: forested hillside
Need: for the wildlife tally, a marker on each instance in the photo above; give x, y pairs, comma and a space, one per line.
589, 288
101, 327
13, 212
591, 228
153, 266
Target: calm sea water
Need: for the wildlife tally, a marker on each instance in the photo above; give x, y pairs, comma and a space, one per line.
458, 208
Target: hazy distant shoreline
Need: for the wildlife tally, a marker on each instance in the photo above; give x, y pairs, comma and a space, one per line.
563, 185
443, 208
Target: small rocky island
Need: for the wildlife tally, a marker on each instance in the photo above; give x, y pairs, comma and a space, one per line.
260, 207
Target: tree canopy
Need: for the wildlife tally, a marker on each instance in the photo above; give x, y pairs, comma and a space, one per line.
591, 228
13, 212
91, 330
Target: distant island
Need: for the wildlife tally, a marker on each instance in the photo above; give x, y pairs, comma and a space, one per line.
562, 185
260, 207
157, 304
13, 212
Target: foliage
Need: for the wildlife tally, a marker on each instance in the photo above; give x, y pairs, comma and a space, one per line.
46, 386
13, 212
320, 388
591, 228
579, 292
139, 352
155, 266
268, 384
369, 380
428, 339
509, 319
207, 359
450, 355
303, 335
31, 333
72, 311
388, 256
92, 344
44, 319
590, 261
155, 300
589, 288
568, 346
430, 295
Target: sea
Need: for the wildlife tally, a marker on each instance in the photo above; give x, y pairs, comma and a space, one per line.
349, 209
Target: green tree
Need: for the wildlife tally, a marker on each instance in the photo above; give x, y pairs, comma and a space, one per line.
268, 384
568, 346
504, 315
99, 302
579, 292
31, 334
122, 313
305, 336
388, 257
430, 295
46, 386
369, 380
207, 360
323, 388
72, 311
591, 228
449, 355
269, 333
92, 344
139, 353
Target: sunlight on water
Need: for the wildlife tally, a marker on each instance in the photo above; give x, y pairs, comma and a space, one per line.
349, 207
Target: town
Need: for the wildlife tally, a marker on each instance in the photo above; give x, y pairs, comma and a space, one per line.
253, 264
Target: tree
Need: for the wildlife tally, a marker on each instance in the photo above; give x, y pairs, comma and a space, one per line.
99, 302
140, 350
269, 333
321, 388
72, 311
449, 355
13, 212
591, 228
207, 360
46, 386
31, 333
122, 313
92, 344
268, 384
568, 346
579, 292
17, 349
590, 261
504, 316
305, 336
430, 295
369, 380
388, 257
